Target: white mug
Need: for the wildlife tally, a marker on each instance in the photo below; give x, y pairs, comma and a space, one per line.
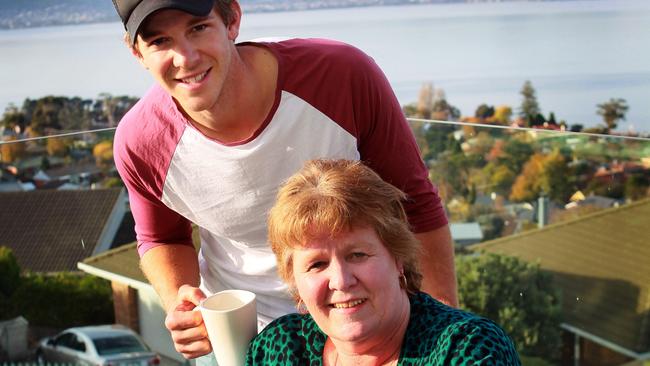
230, 318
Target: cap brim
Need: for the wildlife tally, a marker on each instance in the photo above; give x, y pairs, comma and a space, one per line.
148, 7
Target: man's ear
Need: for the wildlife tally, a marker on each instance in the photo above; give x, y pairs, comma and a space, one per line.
136, 53
235, 23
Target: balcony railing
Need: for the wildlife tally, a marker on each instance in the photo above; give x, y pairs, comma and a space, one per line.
572, 209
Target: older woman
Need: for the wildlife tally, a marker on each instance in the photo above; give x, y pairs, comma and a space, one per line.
344, 246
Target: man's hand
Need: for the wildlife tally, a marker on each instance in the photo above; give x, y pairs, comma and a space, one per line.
185, 323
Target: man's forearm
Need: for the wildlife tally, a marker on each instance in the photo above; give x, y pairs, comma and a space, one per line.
437, 265
168, 267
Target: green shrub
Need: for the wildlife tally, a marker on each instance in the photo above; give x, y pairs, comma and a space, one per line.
63, 300
9, 272
515, 294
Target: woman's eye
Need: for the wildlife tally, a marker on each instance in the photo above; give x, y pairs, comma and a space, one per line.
358, 255
317, 265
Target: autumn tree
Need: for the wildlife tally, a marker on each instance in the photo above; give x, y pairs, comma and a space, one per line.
529, 108
502, 115
612, 111
58, 146
103, 153
515, 294
528, 184
543, 173
10, 151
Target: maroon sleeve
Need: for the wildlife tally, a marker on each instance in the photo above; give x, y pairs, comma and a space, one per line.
141, 158
386, 144
348, 86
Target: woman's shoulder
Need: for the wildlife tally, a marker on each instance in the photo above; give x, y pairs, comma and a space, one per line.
288, 340
439, 332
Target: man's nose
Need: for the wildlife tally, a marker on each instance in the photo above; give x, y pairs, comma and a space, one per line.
185, 55
341, 275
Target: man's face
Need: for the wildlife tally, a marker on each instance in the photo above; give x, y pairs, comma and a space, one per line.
189, 56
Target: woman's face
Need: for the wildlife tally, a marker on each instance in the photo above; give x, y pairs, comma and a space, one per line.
350, 285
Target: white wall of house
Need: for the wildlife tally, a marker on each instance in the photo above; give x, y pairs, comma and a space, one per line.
152, 324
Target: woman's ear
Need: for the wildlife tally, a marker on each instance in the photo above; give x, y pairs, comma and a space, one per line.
399, 265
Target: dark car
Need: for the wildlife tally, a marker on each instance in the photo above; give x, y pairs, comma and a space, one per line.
102, 345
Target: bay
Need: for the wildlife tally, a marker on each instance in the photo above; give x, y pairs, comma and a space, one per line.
576, 53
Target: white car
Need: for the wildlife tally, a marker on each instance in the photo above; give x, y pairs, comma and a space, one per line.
101, 345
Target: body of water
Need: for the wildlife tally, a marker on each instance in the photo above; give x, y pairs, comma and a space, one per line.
576, 53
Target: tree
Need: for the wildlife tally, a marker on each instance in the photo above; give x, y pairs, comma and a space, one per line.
425, 101
517, 295
441, 109
501, 179
529, 107
577, 127
528, 184
13, 117
10, 152
9, 272
637, 186
103, 153
484, 111
516, 154
543, 173
613, 111
58, 146
502, 115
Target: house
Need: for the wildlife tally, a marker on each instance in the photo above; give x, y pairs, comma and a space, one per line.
601, 263
466, 233
136, 303
50, 231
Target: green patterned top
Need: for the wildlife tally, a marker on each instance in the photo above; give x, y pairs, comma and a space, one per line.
436, 335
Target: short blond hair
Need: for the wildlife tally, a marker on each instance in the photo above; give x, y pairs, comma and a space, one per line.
334, 196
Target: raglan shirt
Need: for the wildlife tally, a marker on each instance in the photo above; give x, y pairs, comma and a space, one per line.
331, 101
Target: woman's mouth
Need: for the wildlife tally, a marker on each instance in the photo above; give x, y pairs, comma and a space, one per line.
347, 304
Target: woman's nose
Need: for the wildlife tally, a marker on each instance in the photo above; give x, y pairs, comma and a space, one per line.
341, 276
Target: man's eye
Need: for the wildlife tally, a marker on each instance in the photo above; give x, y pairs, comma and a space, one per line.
199, 27
157, 42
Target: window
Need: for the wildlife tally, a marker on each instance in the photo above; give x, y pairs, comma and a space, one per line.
72, 341
119, 344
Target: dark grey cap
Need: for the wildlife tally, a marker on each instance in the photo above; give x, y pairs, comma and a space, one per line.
134, 12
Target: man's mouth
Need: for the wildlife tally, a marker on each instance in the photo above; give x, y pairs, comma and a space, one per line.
348, 304
195, 79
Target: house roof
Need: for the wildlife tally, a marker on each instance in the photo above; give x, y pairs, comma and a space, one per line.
122, 263
45, 228
601, 264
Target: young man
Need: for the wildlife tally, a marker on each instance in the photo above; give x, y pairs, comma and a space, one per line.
225, 125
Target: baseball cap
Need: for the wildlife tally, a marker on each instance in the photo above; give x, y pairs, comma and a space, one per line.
134, 12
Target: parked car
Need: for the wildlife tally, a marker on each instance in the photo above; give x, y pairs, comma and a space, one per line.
101, 345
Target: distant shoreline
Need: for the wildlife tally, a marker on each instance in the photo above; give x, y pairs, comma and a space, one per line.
72, 14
